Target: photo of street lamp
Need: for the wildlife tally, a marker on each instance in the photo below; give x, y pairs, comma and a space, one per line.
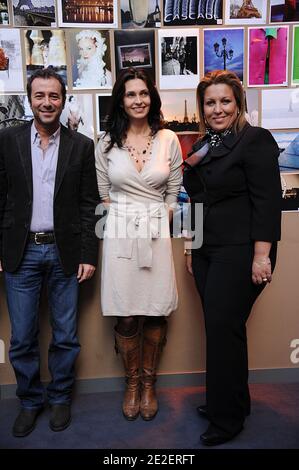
224, 50
227, 55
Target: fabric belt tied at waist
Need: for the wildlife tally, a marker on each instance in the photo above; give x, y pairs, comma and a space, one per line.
142, 227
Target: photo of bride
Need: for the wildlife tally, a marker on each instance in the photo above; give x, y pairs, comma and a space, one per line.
91, 63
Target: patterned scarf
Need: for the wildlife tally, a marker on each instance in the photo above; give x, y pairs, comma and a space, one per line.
217, 137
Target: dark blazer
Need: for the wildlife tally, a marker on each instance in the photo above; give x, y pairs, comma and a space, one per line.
75, 198
239, 184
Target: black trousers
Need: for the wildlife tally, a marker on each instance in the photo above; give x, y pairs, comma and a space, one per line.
223, 277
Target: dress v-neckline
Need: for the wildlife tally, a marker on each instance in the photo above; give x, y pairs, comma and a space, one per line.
133, 164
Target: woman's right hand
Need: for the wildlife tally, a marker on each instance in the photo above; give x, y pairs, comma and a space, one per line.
189, 264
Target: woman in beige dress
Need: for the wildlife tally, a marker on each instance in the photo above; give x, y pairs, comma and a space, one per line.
139, 175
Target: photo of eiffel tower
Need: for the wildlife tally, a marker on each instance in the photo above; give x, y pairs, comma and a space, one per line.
34, 12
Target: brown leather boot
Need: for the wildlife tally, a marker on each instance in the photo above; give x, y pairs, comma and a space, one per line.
129, 348
154, 338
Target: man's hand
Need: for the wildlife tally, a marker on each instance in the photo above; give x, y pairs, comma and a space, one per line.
85, 271
1, 267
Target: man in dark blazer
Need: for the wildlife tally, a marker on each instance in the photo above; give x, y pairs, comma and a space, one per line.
48, 195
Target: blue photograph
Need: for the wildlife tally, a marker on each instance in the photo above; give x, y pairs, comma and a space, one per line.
224, 50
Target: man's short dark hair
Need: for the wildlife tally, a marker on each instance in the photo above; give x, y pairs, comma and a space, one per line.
45, 74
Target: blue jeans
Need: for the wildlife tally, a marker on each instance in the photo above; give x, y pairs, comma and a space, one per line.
41, 264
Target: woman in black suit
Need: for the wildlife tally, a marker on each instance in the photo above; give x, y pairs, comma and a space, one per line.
236, 177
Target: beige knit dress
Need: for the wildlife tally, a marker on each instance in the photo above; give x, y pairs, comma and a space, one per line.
138, 276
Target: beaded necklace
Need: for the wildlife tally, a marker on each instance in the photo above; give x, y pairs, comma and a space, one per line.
140, 156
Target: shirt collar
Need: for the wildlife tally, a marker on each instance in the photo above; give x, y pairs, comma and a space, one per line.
35, 137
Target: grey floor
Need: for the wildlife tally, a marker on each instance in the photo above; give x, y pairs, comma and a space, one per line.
98, 422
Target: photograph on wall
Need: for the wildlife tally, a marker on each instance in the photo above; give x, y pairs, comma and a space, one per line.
178, 58
179, 110
252, 106
288, 143
90, 58
11, 69
45, 48
284, 11
102, 108
135, 49
87, 14
77, 114
192, 12
245, 12
14, 110
268, 56
4, 13
34, 12
295, 57
140, 14
280, 108
224, 50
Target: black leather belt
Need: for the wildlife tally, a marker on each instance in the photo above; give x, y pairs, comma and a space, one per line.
42, 238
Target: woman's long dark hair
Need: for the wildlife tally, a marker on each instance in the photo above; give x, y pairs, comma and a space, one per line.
117, 123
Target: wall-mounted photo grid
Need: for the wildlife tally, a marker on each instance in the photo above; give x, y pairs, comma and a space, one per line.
175, 41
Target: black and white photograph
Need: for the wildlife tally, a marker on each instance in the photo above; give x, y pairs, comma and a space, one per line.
90, 59
102, 108
45, 48
4, 13
140, 14
178, 58
135, 48
14, 110
87, 14
252, 106
192, 12
34, 12
77, 114
137, 55
179, 111
11, 68
280, 108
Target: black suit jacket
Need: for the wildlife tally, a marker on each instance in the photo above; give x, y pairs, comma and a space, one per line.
75, 198
239, 184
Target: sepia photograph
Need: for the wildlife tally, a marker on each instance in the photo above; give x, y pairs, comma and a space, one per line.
245, 12
268, 56
4, 13
34, 12
192, 12
87, 14
135, 48
140, 14
77, 114
90, 59
284, 11
179, 111
102, 108
224, 50
11, 68
178, 58
295, 57
14, 110
45, 48
280, 108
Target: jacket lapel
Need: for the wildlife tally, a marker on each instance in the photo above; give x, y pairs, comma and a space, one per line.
64, 153
228, 143
23, 139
